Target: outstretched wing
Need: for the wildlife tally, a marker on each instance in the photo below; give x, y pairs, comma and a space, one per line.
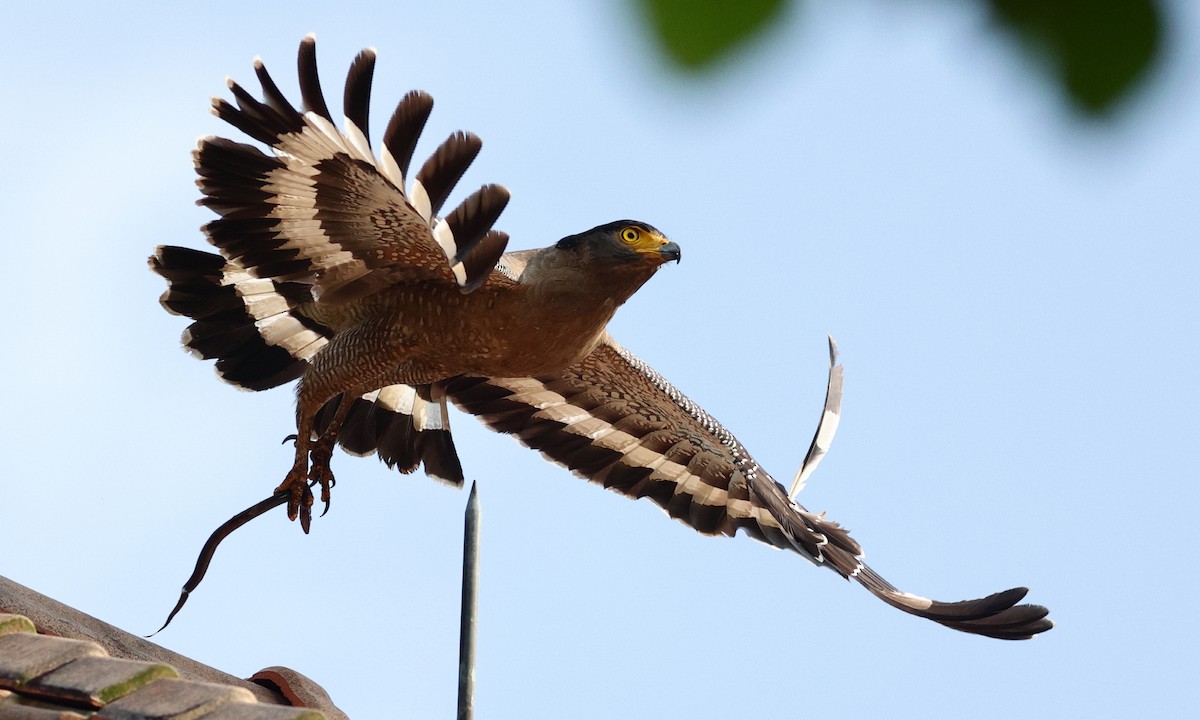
322, 209
615, 421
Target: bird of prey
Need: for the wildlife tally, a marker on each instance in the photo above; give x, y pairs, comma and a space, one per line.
337, 269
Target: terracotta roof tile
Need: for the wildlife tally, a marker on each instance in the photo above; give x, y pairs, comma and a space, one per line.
44, 677
296, 689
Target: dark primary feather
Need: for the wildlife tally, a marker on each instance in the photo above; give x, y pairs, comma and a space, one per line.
258, 120
480, 261
356, 100
310, 80
405, 126
446, 166
471, 221
274, 97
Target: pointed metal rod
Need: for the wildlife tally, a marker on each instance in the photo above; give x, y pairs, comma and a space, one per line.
466, 632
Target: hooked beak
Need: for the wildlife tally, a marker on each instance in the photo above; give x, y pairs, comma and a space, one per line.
670, 251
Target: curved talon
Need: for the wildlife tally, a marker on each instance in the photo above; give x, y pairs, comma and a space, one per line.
294, 438
321, 474
300, 502
319, 471
299, 495
306, 516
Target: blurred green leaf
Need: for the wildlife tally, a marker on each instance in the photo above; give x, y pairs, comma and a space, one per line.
1098, 49
696, 33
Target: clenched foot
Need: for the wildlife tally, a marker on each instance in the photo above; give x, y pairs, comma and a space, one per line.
304, 475
322, 453
300, 496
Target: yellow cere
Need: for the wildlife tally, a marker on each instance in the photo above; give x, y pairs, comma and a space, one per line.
642, 240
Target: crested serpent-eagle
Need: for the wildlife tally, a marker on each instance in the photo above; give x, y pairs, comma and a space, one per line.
336, 268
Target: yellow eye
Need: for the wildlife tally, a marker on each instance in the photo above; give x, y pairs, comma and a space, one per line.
630, 235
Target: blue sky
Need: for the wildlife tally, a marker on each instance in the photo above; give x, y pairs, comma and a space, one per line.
1014, 293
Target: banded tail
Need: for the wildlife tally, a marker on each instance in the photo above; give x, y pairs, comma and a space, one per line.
256, 330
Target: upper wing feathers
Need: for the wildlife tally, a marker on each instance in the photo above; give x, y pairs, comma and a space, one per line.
613, 420
322, 209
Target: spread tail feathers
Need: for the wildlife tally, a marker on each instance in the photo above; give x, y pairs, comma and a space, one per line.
256, 330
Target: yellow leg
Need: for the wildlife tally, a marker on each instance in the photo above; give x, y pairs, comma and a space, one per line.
295, 484
322, 450
341, 368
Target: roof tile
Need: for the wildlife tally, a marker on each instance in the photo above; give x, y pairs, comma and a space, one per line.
297, 689
97, 681
47, 677
174, 700
15, 623
261, 711
15, 707
24, 656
